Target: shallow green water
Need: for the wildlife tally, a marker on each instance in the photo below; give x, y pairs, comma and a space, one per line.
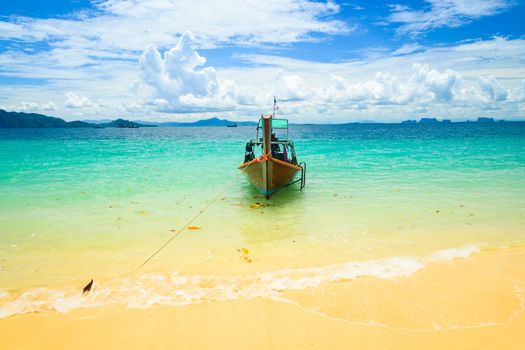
98, 202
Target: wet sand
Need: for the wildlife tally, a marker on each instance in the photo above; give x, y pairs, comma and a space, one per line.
472, 303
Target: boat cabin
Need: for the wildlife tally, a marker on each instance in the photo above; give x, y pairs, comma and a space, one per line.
282, 148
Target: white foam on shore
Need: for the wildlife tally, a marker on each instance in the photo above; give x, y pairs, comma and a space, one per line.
176, 289
453, 253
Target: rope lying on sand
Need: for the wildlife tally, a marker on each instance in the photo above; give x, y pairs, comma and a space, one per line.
87, 288
185, 226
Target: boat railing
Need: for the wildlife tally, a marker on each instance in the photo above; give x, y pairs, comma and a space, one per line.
302, 178
279, 142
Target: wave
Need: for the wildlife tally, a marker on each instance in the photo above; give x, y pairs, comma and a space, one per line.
174, 289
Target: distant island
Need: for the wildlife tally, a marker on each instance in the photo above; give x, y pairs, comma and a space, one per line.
35, 120
203, 122
448, 121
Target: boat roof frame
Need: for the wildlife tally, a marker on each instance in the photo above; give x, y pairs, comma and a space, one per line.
272, 117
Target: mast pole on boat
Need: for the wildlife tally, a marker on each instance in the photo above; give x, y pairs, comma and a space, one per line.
275, 107
267, 151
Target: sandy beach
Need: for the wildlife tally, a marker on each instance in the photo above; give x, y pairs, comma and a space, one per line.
273, 175
414, 241
472, 303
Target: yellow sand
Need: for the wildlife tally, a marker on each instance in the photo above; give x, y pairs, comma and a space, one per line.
472, 303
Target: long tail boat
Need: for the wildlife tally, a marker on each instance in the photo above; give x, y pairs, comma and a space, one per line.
276, 167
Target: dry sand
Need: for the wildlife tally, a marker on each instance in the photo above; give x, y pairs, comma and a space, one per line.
473, 303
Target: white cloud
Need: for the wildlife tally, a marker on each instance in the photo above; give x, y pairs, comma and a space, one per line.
33, 107
178, 72
75, 101
444, 13
406, 49
518, 94
290, 87
27, 107
386, 96
180, 84
132, 25
95, 53
493, 89
424, 85
49, 106
180, 81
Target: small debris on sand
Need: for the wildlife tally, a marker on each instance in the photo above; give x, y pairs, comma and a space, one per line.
87, 288
245, 254
193, 228
257, 205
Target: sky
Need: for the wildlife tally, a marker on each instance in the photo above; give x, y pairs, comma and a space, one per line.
325, 61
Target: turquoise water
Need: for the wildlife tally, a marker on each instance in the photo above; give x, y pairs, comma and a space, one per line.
78, 203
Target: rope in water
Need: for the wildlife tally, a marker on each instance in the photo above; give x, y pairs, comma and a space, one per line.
257, 160
184, 227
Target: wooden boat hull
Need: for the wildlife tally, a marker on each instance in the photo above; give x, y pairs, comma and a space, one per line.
268, 174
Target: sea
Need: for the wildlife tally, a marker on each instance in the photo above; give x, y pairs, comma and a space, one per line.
162, 215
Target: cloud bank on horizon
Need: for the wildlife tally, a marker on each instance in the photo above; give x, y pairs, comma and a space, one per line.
326, 61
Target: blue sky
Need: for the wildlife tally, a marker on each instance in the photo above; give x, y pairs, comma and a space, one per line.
327, 61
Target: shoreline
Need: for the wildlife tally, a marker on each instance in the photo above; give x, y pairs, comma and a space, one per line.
482, 305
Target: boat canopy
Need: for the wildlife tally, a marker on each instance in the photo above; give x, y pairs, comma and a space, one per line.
276, 123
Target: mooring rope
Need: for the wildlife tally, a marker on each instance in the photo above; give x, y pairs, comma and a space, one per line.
185, 226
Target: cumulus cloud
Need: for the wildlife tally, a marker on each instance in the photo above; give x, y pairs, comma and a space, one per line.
444, 13
178, 72
521, 95
389, 86
75, 101
493, 89
290, 87
517, 94
424, 85
182, 83
49, 106
180, 80
25, 106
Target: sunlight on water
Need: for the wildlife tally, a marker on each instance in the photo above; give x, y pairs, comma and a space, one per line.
82, 203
